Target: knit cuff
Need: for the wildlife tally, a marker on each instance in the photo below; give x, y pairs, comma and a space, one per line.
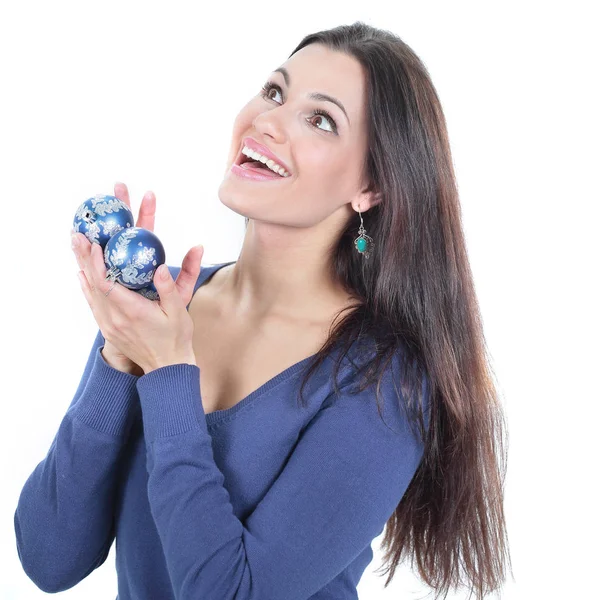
109, 401
170, 401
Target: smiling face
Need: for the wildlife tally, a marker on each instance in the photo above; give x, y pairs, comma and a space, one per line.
324, 152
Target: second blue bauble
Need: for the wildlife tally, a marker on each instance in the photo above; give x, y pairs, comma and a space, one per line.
132, 256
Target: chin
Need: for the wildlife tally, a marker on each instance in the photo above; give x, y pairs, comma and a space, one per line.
233, 200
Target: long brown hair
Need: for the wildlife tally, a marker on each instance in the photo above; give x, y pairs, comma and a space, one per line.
416, 292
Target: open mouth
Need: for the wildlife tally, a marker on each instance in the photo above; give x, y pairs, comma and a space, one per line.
251, 164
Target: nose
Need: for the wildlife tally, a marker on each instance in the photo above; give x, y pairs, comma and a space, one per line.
269, 124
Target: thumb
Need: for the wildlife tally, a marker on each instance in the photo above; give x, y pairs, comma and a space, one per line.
189, 273
167, 291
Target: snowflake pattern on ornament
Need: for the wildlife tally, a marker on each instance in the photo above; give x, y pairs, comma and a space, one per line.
129, 273
101, 207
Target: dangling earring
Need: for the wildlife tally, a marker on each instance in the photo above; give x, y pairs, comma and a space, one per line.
363, 243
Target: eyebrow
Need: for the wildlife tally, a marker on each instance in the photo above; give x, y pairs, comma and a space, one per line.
314, 95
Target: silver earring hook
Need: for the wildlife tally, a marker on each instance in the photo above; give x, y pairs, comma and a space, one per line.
363, 243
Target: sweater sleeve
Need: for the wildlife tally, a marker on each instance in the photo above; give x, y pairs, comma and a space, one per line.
342, 482
64, 521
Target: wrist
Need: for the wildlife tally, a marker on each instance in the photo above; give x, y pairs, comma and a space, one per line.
125, 366
189, 360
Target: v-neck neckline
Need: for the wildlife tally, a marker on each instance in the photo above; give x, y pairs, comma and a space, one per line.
218, 416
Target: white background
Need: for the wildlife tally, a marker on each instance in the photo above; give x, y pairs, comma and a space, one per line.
146, 93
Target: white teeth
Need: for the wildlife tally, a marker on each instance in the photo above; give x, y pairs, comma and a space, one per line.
266, 161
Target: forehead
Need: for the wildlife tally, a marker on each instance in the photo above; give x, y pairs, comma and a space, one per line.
316, 68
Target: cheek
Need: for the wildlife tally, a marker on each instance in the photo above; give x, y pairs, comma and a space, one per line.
241, 126
245, 117
321, 189
326, 176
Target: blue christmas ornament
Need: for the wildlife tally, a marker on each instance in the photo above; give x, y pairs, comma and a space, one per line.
99, 218
132, 256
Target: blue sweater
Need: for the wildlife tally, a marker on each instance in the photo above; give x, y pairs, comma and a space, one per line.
266, 500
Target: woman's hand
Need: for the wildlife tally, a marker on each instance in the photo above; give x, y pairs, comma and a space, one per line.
184, 285
150, 333
146, 220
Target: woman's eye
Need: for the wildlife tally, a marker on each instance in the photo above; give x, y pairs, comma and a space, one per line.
266, 93
268, 88
323, 115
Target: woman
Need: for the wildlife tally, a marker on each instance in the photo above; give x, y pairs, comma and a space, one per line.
183, 440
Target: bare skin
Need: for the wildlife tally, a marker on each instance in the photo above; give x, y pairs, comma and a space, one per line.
237, 357
274, 306
283, 267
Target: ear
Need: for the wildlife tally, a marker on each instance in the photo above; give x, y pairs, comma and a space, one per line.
375, 199
368, 199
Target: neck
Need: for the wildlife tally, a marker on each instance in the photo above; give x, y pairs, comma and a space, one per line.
281, 275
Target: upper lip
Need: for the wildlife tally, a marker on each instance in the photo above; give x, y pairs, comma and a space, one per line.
254, 145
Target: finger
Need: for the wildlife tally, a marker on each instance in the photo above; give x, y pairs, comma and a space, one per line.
170, 300
188, 276
122, 193
85, 288
97, 279
76, 247
82, 254
147, 212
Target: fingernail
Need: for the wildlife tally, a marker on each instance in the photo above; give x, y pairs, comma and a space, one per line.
74, 241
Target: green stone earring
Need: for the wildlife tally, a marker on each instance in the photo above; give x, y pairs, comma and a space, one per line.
363, 243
